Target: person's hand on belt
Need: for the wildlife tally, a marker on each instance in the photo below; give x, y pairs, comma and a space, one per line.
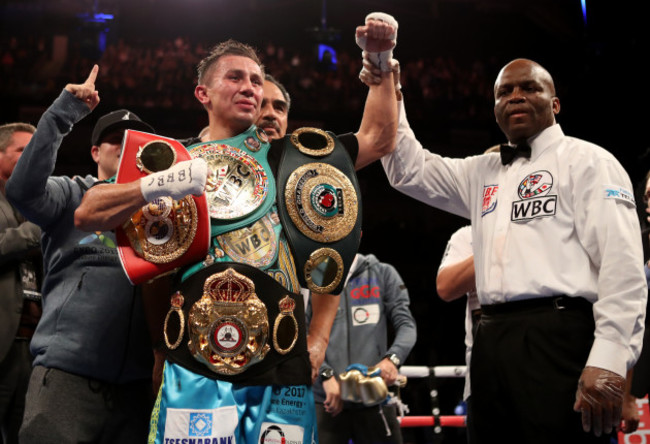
600, 399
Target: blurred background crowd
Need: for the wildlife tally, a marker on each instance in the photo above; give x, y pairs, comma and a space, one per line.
450, 52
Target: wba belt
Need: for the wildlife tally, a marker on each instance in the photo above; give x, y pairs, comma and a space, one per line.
233, 322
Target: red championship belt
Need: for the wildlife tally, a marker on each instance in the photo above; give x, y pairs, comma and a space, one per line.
164, 234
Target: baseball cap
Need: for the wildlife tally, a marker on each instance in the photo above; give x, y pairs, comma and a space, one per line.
116, 120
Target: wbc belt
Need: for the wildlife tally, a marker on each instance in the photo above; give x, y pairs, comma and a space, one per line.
164, 234
233, 322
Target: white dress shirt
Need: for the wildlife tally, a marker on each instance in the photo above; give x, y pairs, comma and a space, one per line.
561, 222
458, 249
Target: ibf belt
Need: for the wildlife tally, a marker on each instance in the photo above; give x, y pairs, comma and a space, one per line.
164, 234
320, 208
233, 322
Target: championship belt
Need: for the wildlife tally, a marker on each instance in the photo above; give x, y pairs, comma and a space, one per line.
164, 234
320, 208
233, 322
240, 187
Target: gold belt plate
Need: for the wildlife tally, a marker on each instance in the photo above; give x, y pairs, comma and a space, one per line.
163, 230
237, 183
255, 245
228, 326
321, 202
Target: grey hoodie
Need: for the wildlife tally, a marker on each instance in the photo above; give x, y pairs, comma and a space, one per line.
373, 296
93, 323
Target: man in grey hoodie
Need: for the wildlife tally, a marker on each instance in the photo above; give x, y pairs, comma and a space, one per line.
92, 355
374, 295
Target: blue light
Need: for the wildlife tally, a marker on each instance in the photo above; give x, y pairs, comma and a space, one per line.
461, 408
321, 52
95, 18
583, 3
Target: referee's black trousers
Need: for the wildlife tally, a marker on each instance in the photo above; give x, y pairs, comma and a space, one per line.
525, 368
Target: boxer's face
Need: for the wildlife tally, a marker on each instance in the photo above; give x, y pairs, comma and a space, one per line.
233, 92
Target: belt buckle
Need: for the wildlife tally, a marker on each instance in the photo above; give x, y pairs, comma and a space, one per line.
557, 303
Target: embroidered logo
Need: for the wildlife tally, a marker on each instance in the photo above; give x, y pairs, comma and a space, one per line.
617, 193
489, 199
536, 201
536, 184
366, 314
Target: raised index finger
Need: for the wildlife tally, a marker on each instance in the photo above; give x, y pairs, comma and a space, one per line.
93, 75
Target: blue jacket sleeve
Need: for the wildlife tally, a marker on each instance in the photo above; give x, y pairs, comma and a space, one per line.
30, 189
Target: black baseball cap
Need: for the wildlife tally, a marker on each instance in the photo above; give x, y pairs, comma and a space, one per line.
116, 120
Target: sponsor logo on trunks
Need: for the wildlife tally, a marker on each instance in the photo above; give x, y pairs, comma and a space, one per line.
200, 424
204, 426
536, 201
273, 433
225, 440
617, 193
489, 199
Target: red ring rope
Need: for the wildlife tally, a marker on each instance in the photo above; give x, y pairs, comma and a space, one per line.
421, 421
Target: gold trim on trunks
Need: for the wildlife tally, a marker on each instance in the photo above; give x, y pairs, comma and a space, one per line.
286, 305
312, 136
321, 262
163, 230
228, 326
321, 202
177, 302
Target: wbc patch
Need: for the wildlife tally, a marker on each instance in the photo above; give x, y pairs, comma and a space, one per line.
618, 193
489, 199
201, 426
536, 201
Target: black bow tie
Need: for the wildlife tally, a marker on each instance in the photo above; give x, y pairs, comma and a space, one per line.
509, 153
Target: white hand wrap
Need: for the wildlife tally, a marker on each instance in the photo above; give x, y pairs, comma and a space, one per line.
187, 177
380, 59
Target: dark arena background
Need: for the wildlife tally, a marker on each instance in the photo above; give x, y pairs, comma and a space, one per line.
450, 52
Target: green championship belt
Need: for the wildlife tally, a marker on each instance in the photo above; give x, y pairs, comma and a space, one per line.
319, 205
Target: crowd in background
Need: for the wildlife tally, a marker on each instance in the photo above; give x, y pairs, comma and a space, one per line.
443, 90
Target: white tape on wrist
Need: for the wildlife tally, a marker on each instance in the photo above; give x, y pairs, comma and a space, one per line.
381, 60
187, 177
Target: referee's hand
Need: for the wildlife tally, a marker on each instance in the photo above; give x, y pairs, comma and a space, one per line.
600, 399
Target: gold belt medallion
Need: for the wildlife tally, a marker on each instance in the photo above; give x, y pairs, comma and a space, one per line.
255, 245
237, 183
163, 230
228, 326
321, 202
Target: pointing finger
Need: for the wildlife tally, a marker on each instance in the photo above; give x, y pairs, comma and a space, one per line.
93, 75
